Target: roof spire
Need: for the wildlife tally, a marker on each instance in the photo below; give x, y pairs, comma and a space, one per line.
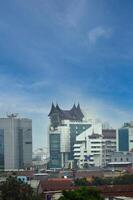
52, 109
78, 106
74, 107
57, 106
80, 113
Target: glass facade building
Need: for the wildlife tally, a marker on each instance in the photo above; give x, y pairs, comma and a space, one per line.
55, 155
123, 139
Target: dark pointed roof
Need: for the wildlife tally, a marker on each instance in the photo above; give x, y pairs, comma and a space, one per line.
79, 111
74, 114
74, 107
52, 109
57, 107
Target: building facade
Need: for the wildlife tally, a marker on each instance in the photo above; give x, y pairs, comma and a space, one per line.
121, 160
65, 125
15, 143
122, 157
125, 138
84, 152
95, 146
110, 143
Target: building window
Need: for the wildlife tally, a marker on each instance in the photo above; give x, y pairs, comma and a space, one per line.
115, 159
28, 142
121, 159
95, 142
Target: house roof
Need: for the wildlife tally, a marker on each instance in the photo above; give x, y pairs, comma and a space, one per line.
56, 184
29, 174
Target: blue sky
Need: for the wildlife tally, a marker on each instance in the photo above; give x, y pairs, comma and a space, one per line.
66, 52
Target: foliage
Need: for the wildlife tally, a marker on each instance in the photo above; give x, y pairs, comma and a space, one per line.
102, 181
14, 189
83, 193
81, 182
125, 179
120, 180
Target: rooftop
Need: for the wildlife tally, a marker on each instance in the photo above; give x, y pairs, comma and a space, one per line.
74, 113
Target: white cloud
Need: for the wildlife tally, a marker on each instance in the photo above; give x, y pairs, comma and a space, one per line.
99, 32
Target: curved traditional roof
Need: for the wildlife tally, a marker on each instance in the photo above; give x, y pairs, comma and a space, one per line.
52, 109
74, 113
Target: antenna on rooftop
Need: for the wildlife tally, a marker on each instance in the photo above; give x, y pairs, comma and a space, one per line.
12, 115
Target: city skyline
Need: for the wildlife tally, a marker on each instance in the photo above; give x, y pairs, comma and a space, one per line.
66, 52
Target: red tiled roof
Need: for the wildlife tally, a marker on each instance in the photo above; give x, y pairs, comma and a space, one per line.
84, 174
56, 184
106, 190
30, 174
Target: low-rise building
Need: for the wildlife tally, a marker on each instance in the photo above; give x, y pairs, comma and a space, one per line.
121, 160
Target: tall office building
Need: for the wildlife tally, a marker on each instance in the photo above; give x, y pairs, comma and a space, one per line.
65, 125
15, 143
125, 137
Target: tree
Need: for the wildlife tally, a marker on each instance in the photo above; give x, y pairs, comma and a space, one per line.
81, 182
83, 193
98, 181
14, 189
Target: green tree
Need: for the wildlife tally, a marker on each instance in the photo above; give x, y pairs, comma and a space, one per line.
98, 181
83, 193
81, 182
14, 189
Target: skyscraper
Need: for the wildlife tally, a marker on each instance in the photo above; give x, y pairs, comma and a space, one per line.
15, 142
65, 125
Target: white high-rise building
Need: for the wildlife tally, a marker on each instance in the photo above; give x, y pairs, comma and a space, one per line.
88, 146
94, 146
15, 143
